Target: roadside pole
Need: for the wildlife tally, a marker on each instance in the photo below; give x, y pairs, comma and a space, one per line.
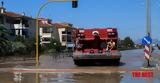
37, 33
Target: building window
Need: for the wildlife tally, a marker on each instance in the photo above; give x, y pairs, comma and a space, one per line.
46, 39
64, 37
25, 22
63, 32
69, 38
16, 22
68, 32
46, 30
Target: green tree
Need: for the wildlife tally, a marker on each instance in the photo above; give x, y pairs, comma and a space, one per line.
18, 48
127, 43
30, 45
26, 45
3, 40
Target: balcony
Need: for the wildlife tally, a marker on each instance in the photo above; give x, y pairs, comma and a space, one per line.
46, 35
19, 26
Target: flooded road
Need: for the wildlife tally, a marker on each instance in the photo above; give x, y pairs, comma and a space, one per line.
131, 60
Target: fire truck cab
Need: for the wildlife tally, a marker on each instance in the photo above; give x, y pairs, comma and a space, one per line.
91, 46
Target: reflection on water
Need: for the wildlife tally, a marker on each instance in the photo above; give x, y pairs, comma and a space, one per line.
59, 78
80, 78
98, 78
72, 78
16, 78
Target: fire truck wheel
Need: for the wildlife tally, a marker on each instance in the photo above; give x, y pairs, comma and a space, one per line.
117, 62
78, 62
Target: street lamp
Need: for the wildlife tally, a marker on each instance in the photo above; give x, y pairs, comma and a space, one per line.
74, 5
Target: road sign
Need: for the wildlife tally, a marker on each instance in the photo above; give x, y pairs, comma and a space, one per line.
146, 40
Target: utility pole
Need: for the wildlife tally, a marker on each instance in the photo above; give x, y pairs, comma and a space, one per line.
148, 16
148, 25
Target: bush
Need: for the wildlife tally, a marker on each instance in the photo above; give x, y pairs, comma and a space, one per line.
127, 43
18, 48
30, 45
23, 45
54, 46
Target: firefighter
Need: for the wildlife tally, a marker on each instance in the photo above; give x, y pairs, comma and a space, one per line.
78, 44
110, 45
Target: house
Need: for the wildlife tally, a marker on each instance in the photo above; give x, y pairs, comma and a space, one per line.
17, 24
65, 34
47, 31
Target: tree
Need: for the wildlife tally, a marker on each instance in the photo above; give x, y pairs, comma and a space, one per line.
30, 45
18, 48
3, 40
26, 45
127, 43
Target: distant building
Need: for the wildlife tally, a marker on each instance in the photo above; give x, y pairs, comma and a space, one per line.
47, 31
17, 24
65, 34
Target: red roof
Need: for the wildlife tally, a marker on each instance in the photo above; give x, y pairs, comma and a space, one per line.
61, 25
44, 24
43, 19
12, 14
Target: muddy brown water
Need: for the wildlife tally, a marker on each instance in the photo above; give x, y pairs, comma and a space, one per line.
131, 59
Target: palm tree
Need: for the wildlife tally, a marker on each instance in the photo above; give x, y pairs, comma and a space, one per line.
3, 39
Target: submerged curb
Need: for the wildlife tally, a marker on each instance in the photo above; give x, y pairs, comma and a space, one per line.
91, 71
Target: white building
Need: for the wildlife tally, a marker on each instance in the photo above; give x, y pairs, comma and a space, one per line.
65, 33
47, 31
17, 24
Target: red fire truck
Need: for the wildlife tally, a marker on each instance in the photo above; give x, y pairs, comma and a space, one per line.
91, 46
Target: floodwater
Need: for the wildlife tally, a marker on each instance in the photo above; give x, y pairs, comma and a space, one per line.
131, 60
